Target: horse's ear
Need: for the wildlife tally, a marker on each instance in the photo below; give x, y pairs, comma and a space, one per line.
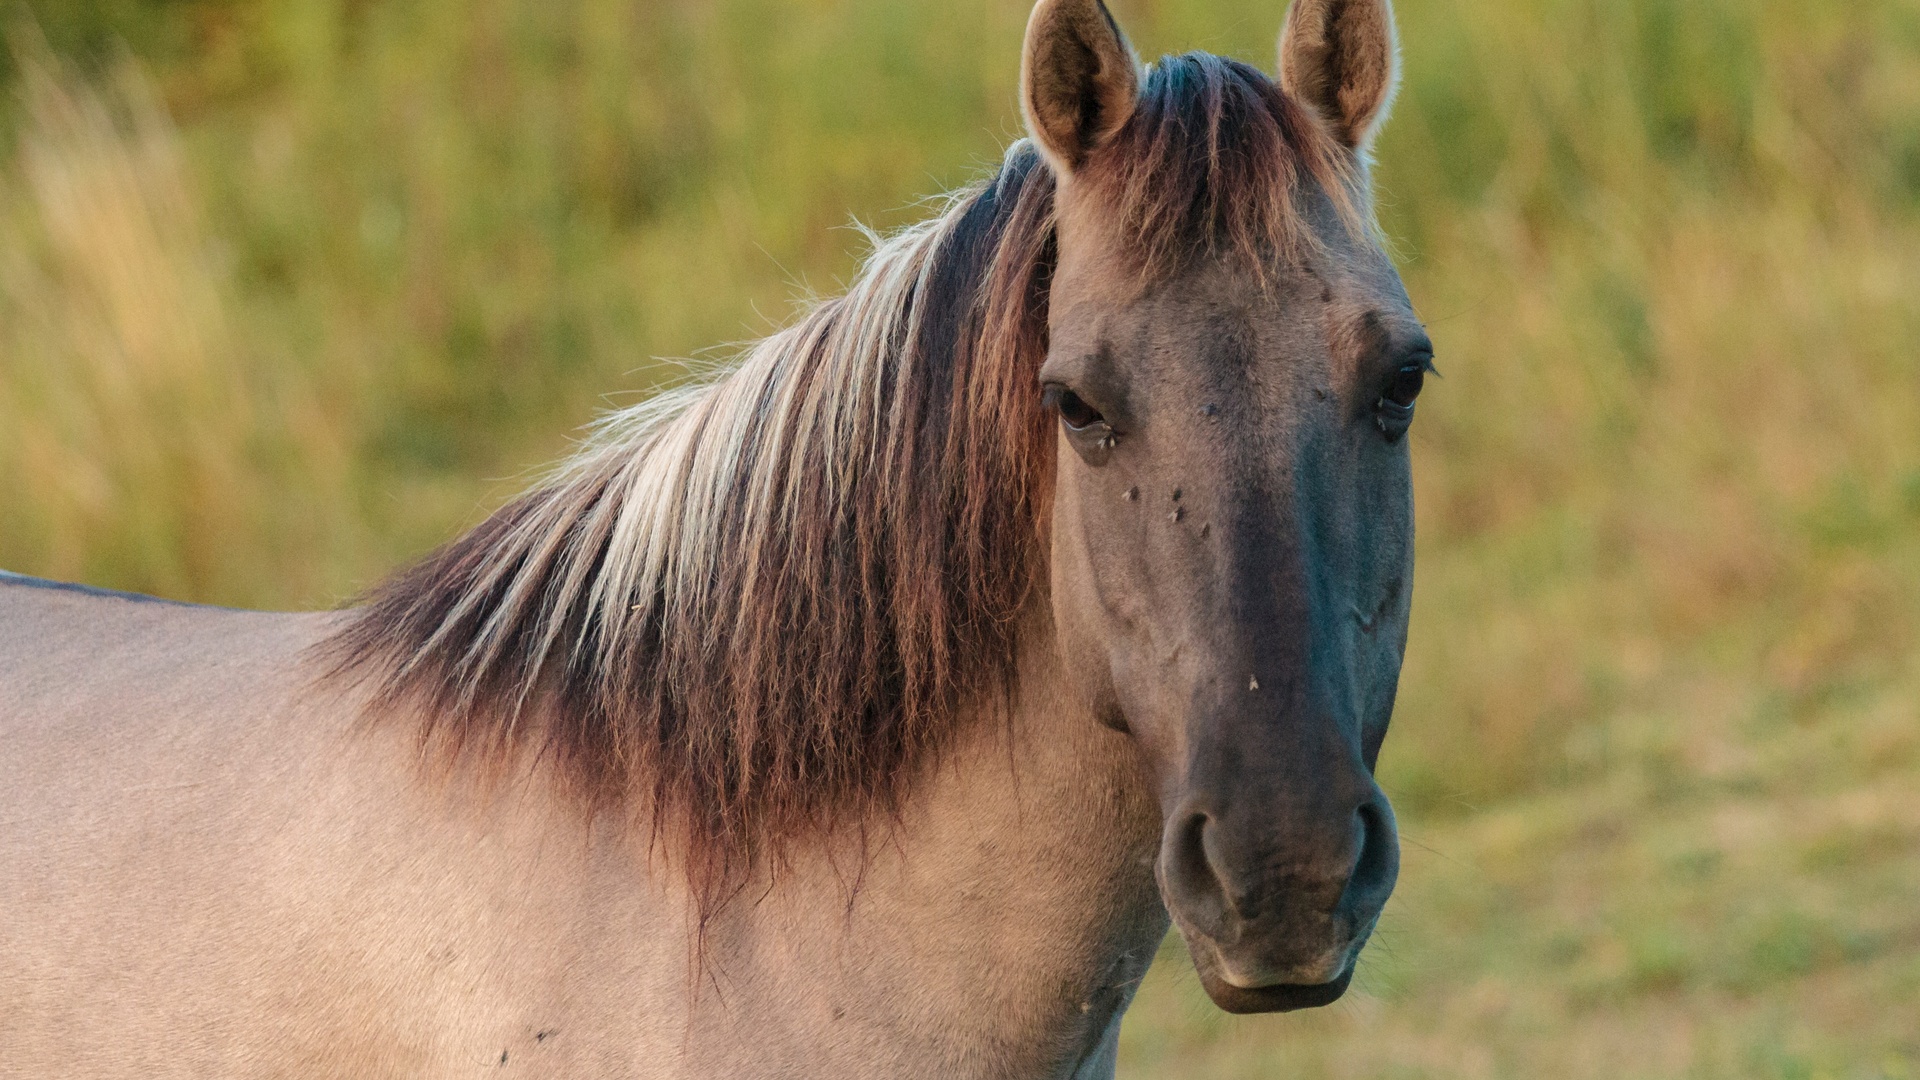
1342, 58
1078, 79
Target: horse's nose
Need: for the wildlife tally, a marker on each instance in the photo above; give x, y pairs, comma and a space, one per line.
1378, 864
1281, 895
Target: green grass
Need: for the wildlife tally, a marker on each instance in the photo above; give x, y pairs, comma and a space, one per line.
289, 291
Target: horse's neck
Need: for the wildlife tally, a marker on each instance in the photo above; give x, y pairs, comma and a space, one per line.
998, 929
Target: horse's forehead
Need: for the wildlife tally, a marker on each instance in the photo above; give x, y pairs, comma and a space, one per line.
1222, 320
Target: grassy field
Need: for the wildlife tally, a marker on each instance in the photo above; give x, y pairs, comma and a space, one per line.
291, 290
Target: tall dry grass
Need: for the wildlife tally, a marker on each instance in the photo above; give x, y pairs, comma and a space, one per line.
1675, 463
146, 444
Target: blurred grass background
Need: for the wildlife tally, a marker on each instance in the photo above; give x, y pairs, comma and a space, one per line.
291, 290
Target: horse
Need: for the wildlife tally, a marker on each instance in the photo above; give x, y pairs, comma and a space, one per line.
868, 709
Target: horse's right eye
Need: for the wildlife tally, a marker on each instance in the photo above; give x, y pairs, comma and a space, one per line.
1074, 411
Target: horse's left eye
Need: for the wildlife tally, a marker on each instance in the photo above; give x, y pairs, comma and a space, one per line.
1407, 383
1393, 413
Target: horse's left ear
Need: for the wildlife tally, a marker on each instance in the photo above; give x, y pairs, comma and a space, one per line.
1342, 58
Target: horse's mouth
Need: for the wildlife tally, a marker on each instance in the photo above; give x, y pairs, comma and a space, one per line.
1285, 997
1238, 996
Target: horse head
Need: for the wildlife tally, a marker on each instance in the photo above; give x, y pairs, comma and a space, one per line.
1234, 365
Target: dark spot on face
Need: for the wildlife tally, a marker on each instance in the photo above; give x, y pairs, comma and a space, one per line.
1176, 494
1320, 393
1132, 494
1209, 409
1179, 514
503, 1057
1370, 621
543, 1036
1206, 528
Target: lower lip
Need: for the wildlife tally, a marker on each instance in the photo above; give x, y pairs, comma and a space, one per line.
1284, 998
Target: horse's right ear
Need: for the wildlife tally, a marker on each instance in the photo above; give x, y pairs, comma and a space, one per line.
1078, 79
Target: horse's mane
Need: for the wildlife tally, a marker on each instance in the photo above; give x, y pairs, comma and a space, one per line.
755, 608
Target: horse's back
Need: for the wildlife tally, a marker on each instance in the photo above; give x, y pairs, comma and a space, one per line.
210, 866
108, 697
152, 829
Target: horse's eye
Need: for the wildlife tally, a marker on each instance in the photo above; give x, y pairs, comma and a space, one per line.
1074, 411
1393, 413
1406, 385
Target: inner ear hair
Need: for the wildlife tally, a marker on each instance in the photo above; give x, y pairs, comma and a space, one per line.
1342, 59
1078, 79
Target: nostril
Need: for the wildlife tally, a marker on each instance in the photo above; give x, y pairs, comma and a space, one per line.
1190, 876
1378, 863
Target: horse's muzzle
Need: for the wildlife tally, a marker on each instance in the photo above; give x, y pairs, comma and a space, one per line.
1275, 911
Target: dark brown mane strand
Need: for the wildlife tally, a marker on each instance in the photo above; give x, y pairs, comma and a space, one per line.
756, 609
1213, 162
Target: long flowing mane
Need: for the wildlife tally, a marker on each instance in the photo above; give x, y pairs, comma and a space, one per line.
757, 607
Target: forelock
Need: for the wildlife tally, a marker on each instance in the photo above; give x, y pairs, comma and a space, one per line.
1217, 160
